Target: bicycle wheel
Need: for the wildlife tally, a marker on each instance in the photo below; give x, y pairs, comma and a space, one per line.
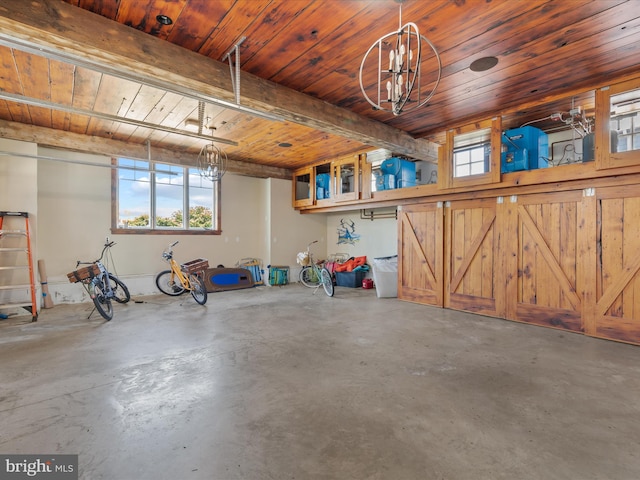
102, 303
309, 277
198, 289
327, 282
120, 290
168, 284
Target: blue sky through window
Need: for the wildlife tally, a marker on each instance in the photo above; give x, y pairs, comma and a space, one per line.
134, 187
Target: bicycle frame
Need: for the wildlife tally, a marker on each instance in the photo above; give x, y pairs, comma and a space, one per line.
100, 288
176, 281
175, 270
322, 276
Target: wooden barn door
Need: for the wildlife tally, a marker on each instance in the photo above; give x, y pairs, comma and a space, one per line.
546, 243
420, 250
616, 308
473, 270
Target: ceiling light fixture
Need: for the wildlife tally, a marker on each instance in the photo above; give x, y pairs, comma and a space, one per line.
164, 20
407, 87
212, 161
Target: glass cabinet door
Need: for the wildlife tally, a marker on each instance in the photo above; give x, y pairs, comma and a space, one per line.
618, 125
346, 177
303, 187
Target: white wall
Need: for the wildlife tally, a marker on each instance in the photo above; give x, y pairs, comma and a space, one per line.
377, 238
18, 178
74, 217
284, 241
71, 213
18, 193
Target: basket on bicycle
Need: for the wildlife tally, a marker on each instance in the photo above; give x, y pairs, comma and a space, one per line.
304, 259
195, 266
84, 273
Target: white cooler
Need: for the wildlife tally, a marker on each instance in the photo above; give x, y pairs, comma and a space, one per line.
385, 276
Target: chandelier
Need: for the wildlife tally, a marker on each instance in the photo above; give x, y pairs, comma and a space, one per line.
401, 84
212, 162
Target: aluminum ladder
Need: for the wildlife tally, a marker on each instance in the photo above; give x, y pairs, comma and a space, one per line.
16, 271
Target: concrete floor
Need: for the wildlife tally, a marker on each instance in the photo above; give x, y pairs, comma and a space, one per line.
279, 383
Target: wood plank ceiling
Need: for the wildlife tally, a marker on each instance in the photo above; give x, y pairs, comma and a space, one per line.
121, 75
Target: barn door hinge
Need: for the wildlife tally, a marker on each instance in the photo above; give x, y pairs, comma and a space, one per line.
589, 192
513, 198
500, 200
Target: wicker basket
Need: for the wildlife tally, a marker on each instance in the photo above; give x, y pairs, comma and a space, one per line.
304, 259
84, 273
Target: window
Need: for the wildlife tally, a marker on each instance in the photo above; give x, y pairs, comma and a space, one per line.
471, 155
158, 197
472, 159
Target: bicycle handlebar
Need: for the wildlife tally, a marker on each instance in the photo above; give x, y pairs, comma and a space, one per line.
108, 244
168, 252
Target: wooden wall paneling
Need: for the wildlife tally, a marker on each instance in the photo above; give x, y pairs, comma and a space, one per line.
547, 236
587, 256
34, 84
85, 91
506, 267
62, 75
617, 309
10, 82
420, 253
509, 247
472, 237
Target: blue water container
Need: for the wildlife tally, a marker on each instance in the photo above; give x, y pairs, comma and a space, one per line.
403, 170
385, 182
524, 148
323, 184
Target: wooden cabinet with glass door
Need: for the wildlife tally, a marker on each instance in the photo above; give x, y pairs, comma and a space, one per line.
304, 190
346, 176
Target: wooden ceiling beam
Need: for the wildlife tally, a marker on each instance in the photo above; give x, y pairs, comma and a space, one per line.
58, 30
48, 137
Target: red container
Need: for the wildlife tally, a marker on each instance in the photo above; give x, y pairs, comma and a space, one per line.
367, 283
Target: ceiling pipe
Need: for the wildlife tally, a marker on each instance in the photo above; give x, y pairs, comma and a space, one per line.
83, 162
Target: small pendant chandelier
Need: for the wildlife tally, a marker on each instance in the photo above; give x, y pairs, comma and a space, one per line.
212, 162
399, 86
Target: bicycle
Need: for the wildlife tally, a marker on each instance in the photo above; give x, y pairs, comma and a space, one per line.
101, 285
312, 275
182, 278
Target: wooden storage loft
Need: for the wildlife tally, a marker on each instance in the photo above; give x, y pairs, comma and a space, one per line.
556, 247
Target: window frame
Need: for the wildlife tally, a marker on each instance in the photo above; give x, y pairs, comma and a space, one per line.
446, 161
604, 157
115, 229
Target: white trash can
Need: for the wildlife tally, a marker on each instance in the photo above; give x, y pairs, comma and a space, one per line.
385, 276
